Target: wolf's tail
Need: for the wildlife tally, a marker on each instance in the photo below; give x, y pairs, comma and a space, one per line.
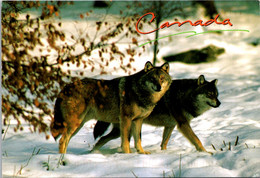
100, 128
57, 126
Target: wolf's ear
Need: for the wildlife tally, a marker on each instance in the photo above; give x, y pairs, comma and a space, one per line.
166, 67
201, 79
215, 82
148, 66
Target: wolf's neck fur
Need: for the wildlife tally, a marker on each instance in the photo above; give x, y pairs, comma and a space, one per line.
144, 97
187, 98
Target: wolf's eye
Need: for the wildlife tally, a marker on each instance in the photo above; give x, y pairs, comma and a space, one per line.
162, 78
210, 94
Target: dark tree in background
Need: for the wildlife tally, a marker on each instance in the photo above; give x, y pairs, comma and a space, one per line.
35, 49
209, 6
162, 10
173, 9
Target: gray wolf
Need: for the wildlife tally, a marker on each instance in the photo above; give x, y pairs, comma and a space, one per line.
124, 100
185, 100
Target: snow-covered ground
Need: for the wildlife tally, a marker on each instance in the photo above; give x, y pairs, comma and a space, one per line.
29, 154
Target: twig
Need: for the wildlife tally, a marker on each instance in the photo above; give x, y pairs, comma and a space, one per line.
6, 130
180, 166
14, 171
236, 141
23, 166
60, 160
47, 164
224, 143
102, 21
38, 152
134, 174
213, 146
5, 153
229, 146
246, 145
173, 174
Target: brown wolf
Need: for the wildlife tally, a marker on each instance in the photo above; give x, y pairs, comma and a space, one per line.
125, 100
185, 100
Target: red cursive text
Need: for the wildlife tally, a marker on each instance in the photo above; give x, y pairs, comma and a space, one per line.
167, 24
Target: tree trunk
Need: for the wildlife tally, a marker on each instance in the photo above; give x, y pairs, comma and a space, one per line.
158, 20
155, 47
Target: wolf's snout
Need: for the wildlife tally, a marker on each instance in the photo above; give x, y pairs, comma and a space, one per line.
218, 103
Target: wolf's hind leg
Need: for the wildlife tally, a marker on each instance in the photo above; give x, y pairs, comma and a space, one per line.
70, 130
166, 136
64, 141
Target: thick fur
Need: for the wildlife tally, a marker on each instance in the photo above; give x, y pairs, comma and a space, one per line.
185, 100
125, 100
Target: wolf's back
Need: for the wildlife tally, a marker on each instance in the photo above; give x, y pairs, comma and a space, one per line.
57, 125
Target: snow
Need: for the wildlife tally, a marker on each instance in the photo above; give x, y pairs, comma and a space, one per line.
237, 71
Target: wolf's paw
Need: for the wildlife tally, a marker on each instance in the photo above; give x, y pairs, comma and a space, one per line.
202, 149
205, 151
144, 152
163, 148
209, 152
127, 151
94, 151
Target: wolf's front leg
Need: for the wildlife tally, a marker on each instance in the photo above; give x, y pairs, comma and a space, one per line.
125, 127
136, 132
166, 136
187, 131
